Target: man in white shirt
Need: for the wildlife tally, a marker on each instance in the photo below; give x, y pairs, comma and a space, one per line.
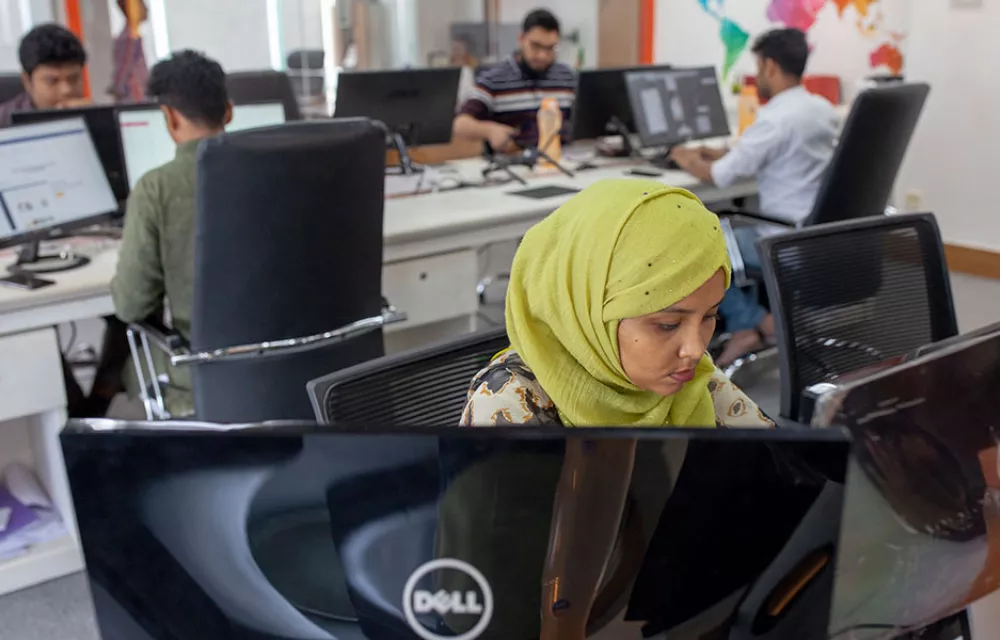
787, 150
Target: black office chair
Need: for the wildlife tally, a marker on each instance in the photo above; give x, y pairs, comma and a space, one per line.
306, 73
254, 87
10, 86
425, 387
859, 180
853, 294
288, 267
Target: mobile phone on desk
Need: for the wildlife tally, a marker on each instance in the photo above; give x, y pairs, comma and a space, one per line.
25, 280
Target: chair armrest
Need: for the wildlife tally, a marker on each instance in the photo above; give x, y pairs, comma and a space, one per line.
389, 315
739, 273
161, 337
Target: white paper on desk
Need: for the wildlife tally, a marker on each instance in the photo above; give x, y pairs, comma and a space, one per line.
25, 488
403, 185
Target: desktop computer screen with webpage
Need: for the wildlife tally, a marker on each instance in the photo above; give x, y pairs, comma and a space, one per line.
147, 144
673, 106
50, 178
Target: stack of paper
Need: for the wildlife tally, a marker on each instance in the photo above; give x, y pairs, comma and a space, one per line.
27, 516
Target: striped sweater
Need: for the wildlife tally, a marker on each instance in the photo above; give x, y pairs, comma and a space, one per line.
505, 94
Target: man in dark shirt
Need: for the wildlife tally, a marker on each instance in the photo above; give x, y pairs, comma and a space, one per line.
156, 261
52, 60
503, 108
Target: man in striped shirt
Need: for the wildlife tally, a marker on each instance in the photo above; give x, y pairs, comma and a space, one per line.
503, 108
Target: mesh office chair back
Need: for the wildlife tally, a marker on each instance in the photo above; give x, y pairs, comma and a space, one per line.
427, 387
10, 86
306, 73
254, 87
288, 243
863, 170
852, 294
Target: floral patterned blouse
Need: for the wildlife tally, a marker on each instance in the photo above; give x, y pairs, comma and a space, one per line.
507, 393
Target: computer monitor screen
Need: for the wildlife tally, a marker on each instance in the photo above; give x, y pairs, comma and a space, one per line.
50, 178
103, 126
601, 96
148, 145
676, 105
921, 534
419, 104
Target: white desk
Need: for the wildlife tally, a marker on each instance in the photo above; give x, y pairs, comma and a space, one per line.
432, 244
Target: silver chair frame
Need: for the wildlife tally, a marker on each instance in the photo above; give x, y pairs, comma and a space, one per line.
144, 337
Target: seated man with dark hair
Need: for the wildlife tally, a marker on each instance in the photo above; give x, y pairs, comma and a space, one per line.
156, 263
787, 150
52, 60
503, 108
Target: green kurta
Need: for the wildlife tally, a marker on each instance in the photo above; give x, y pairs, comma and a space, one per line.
156, 263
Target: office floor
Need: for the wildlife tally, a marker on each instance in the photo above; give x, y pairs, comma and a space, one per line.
61, 609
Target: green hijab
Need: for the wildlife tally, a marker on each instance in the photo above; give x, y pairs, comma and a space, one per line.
619, 249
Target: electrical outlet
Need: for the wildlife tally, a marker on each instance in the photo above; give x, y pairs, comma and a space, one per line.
914, 201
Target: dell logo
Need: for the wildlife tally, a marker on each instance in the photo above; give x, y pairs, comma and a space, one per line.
444, 602
475, 604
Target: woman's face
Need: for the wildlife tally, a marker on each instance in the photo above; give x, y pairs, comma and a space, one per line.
659, 352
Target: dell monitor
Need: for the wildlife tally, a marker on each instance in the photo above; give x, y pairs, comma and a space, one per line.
102, 123
51, 182
921, 520
298, 531
147, 144
602, 104
417, 106
674, 106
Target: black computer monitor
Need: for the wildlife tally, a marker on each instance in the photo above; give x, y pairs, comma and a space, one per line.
102, 122
674, 106
602, 104
264, 86
418, 104
295, 531
51, 182
922, 497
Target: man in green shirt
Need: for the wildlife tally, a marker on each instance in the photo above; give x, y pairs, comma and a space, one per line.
156, 263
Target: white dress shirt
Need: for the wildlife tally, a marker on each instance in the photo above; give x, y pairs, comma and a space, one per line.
787, 150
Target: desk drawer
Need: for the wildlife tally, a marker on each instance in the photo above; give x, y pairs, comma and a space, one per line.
433, 289
30, 374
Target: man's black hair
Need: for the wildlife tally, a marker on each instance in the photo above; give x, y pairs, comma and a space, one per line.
541, 19
194, 85
50, 44
787, 47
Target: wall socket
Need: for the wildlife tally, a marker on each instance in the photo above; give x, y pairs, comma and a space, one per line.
914, 201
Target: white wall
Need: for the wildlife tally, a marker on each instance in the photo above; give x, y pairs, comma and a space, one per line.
233, 32
301, 24
685, 34
952, 160
17, 17
573, 15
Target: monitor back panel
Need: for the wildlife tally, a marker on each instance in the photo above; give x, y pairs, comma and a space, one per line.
417, 103
301, 533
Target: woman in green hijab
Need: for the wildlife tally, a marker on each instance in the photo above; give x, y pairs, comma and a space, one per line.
611, 305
